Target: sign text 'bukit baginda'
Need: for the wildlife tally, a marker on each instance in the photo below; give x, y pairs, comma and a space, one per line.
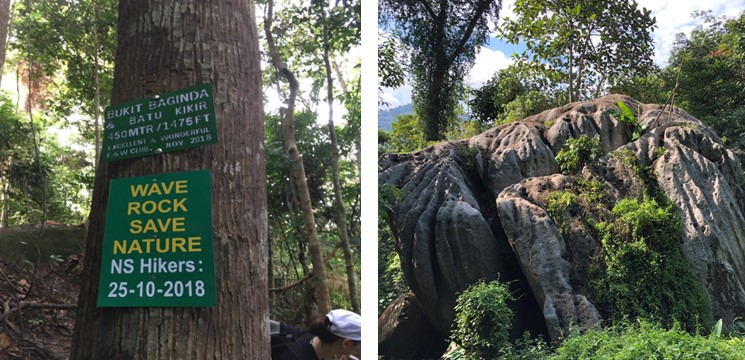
157, 246
168, 122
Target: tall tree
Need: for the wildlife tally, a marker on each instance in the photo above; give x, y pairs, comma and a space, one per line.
4, 23
340, 213
323, 299
74, 41
443, 37
162, 46
708, 67
582, 44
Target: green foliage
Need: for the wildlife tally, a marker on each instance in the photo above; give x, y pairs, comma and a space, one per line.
66, 37
626, 115
645, 340
584, 202
55, 186
560, 203
391, 284
709, 62
482, 318
525, 348
406, 135
584, 46
525, 105
467, 154
390, 71
578, 152
641, 271
287, 235
442, 39
647, 89
508, 97
489, 101
465, 129
651, 190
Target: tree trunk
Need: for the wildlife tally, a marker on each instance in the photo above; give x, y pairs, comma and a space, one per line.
97, 85
4, 203
342, 83
434, 122
323, 300
4, 24
164, 46
339, 211
570, 90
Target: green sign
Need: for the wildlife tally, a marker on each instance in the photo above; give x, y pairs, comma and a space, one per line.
157, 243
168, 122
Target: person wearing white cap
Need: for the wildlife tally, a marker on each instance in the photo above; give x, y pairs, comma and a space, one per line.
329, 337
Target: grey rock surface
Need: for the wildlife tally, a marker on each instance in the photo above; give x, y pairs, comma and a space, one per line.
404, 332
471, 208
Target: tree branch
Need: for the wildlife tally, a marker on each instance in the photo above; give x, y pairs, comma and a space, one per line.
306, 277
31, 305
428, 9
483, 5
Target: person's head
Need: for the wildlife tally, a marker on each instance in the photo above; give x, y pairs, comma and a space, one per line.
340, 329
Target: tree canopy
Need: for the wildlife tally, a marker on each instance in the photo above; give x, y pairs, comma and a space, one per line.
443, 38
581, 45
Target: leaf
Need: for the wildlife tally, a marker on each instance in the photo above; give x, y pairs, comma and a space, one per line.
717, 330
5, 342
627, 115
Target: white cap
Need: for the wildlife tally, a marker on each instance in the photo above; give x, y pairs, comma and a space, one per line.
345, 324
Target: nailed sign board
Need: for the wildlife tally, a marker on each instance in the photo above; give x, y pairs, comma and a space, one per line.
157, 244
168, 122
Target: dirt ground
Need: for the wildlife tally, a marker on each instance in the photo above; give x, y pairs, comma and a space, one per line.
38, 307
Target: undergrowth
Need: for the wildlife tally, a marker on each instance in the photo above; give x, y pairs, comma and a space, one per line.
481, 313
638, 270
641, 272
645, 340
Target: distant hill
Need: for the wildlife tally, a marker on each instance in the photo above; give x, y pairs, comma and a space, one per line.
387, 117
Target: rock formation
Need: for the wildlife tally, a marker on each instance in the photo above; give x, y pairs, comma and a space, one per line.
404, 332
476, 209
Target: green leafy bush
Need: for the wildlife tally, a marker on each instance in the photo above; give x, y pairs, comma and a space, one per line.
641, 271
644, 340
482, 319
578, 152
559, 203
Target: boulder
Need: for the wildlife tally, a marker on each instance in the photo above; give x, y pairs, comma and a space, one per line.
405, 333
476, 209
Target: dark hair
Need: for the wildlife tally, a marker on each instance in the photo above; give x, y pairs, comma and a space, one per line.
319, 326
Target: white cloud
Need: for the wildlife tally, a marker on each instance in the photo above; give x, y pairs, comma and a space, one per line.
487, 63
396, 97
507, 10
674, 16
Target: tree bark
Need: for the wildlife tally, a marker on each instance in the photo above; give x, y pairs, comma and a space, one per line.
164, 46
339, 211
570, 89
323, 299
97, 85
4, 24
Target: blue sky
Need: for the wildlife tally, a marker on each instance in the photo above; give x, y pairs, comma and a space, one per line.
673, 16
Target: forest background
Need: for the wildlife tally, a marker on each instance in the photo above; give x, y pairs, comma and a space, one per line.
58, 64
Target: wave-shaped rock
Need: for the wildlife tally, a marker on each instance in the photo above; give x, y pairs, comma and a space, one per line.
474, 209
